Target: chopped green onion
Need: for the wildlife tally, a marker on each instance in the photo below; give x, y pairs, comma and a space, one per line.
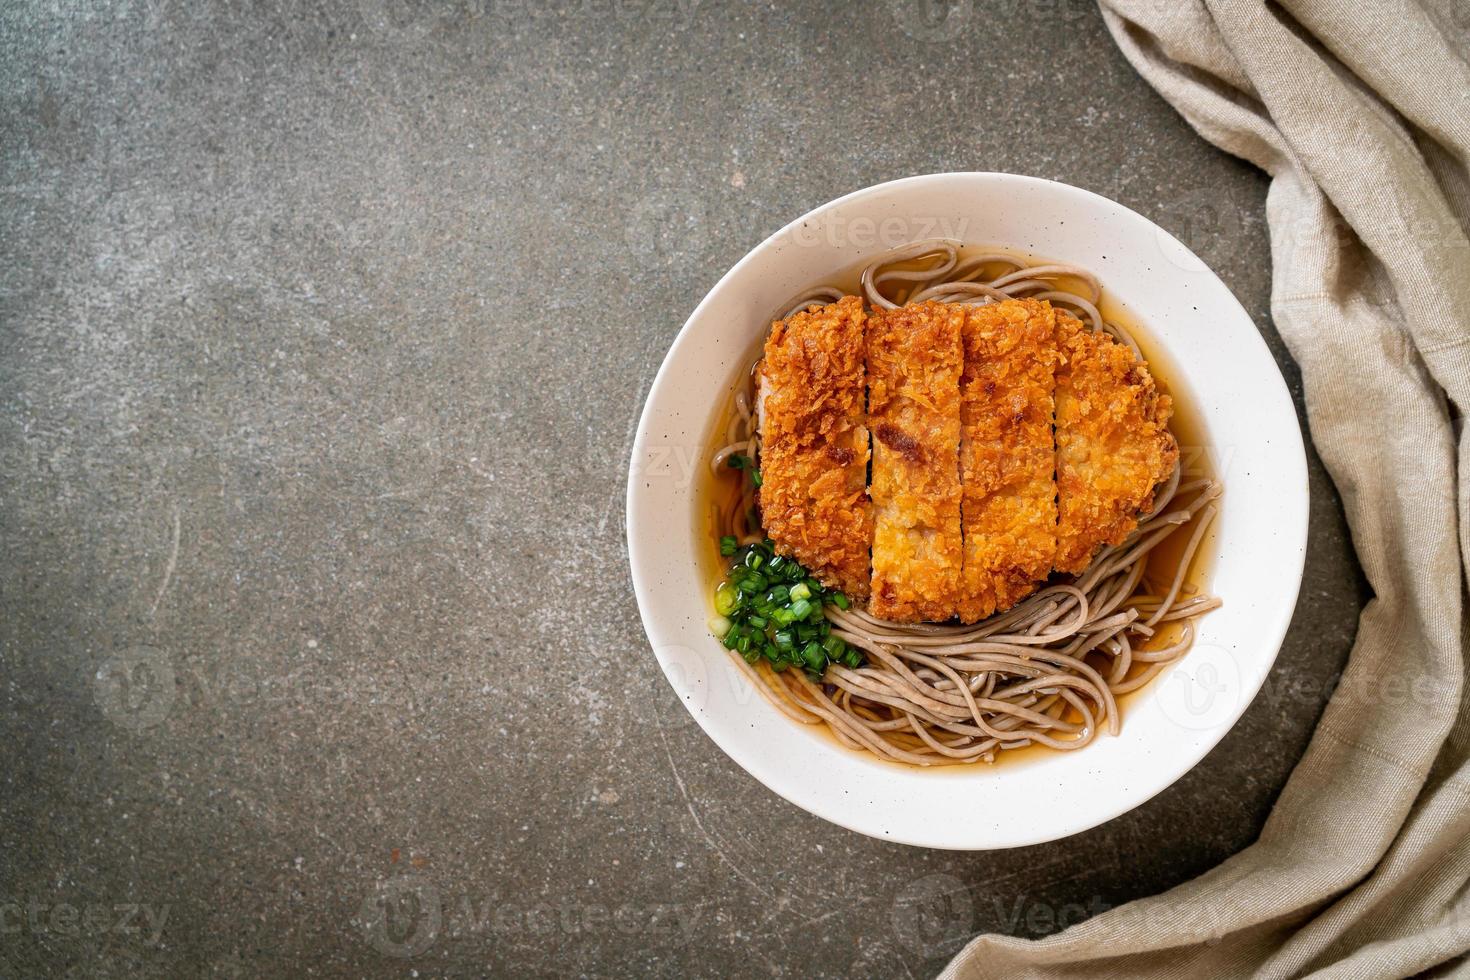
739, 461
754, 582
769, 607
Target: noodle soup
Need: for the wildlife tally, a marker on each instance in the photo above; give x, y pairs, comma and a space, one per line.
1049, 674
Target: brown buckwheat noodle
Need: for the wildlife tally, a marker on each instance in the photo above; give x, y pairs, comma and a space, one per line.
1049, 670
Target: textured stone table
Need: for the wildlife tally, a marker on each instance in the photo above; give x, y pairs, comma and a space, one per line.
324, 336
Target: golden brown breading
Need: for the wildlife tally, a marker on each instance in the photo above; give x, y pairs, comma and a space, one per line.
814, 445
914, 361
1006, 453
1113, 442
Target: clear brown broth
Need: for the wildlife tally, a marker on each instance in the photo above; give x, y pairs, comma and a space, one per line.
717, 495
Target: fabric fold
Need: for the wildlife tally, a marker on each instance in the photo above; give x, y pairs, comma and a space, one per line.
1358, 112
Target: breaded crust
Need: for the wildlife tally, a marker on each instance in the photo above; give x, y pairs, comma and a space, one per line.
914, 362
1113, 442
814, 444
1006, 453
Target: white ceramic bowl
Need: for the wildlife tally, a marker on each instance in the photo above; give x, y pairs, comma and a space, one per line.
1211, 349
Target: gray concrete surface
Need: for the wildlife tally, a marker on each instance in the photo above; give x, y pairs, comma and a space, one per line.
324, 333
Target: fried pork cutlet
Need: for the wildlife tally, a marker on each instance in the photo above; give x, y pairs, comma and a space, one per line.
1113, 442
1006, 453
915, 357
814, 444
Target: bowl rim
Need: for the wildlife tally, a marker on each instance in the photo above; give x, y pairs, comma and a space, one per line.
1269, 638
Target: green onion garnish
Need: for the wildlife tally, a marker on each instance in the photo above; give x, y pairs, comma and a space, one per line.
739, 461
770, 608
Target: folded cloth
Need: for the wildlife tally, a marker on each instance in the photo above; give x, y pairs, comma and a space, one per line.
1360, 112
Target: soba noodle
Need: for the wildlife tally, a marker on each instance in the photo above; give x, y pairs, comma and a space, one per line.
1049, 670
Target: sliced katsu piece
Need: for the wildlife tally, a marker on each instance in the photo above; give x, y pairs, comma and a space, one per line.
1113, 442
1007, 458
814, 443
915, 357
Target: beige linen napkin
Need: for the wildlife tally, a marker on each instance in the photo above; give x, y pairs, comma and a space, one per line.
1360, 111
